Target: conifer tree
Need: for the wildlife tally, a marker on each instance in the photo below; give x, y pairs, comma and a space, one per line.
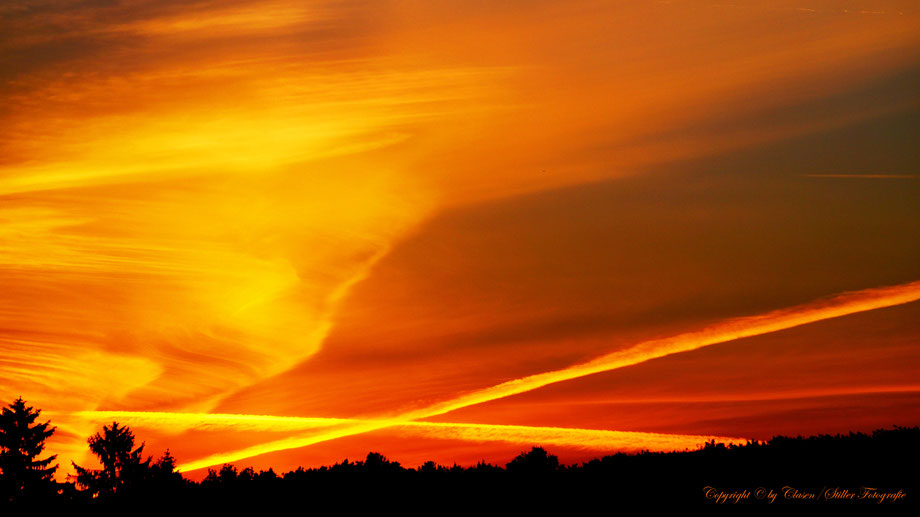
23, 474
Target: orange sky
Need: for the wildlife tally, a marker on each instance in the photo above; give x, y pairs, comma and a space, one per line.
452, 230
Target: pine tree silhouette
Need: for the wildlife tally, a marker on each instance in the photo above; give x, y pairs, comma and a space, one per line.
21, 442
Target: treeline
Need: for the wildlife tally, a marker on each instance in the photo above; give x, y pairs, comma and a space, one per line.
854, 468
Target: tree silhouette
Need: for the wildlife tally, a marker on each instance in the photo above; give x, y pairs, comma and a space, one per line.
21, 442
536, 461
376, 462
163, 475
885, 459
122, 466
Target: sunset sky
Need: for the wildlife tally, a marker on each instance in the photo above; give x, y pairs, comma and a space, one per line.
289, 232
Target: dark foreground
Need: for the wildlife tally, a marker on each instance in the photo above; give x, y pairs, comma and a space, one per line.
876, 469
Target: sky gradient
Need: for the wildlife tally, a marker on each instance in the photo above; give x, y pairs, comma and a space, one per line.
285, 233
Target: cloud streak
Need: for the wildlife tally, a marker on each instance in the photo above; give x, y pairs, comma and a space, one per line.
730, 330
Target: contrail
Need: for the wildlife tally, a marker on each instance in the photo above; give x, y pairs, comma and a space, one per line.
561, 436
728, 330
863, 176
